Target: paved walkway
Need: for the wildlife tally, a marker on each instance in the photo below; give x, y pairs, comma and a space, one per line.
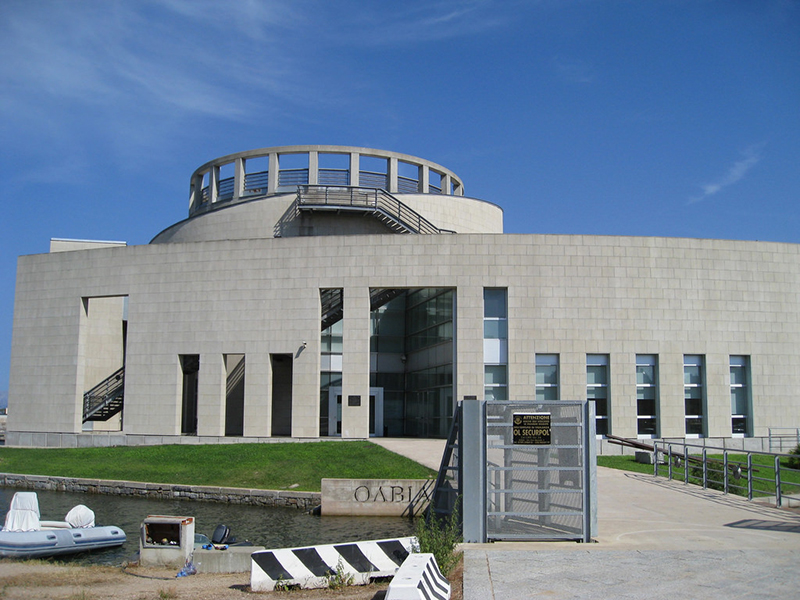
657, 539
424, 451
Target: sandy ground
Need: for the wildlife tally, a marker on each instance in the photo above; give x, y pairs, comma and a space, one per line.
41, 580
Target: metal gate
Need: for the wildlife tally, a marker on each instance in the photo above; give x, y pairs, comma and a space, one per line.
538, 474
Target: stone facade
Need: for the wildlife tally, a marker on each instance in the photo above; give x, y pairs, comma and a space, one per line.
221, 284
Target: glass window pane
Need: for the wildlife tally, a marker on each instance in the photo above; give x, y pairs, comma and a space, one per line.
596, 375
694, 426
739, 425
597, 359
646, 426
693, 392
547, 394
738, 376
601, 426
594, 393
547, 375
547, 359
601, 407
738, 361
494, 303
645, 375
739, 401
692, 375
495, 374
694, 406
498, 394
646, 407
495, 328
646, 393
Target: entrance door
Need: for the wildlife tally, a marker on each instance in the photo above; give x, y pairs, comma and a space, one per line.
375, 411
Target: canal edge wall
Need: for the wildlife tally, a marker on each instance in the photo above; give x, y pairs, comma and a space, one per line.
163, 491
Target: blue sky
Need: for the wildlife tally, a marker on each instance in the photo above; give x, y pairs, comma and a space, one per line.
668, 118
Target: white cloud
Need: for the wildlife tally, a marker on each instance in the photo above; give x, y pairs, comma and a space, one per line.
751, 156
573, 70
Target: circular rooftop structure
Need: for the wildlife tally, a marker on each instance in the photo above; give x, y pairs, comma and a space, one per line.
290, 191
280, 170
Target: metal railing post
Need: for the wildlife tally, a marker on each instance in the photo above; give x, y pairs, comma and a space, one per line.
705, 469
669, 470
685, 464
725, 471
749, 476
778, 482
655, 459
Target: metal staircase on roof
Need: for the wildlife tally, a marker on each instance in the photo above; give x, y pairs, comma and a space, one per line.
105, 399
376, 202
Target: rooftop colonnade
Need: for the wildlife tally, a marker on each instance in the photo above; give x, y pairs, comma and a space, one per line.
268, 171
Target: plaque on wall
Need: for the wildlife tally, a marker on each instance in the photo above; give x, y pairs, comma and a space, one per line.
531, 429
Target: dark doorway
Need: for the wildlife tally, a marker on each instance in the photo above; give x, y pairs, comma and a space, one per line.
190, 365
281, 394
234, 395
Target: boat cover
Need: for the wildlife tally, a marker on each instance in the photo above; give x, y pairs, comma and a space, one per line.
80, 517
24, 513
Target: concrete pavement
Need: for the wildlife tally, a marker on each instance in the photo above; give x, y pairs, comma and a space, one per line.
657, 539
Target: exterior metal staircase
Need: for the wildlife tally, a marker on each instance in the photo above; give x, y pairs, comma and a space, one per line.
333, 302
105, 399
376, 202
447, 489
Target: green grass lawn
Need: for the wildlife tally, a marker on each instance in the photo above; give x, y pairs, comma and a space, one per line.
258, 466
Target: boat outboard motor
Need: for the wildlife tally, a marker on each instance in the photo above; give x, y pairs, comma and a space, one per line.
222, 535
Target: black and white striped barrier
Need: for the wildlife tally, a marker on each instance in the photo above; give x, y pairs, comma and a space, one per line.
311, 567
419, 578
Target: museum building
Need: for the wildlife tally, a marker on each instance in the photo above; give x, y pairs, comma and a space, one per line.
336, 291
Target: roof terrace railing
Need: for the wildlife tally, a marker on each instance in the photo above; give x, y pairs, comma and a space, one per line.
227, 179
374, 200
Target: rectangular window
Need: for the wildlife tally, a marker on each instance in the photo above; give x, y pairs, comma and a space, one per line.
647, 395
694, 394
597, 389
547, 377
740, 396
495, 343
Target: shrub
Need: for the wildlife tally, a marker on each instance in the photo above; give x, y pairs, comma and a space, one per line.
440, 538
794, 459
340, 578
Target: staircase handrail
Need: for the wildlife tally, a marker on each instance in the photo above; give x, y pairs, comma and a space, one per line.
375, 200
103, 392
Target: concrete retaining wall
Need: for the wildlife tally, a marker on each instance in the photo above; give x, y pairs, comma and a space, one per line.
163, 491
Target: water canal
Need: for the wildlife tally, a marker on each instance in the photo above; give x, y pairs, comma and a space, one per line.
264, 526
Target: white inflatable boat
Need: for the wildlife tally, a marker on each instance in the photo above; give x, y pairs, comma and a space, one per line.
24, 535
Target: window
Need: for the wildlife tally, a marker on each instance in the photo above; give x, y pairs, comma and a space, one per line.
495, 343
547, 377
694, 394
740, 396
647, 395
597, 389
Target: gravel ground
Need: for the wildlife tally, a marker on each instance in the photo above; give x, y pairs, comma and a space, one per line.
46, 581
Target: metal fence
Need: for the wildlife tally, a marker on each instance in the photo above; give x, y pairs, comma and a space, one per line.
783, 439
746, 473
538, 490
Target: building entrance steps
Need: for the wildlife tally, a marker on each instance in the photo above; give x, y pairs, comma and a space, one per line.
656, 539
